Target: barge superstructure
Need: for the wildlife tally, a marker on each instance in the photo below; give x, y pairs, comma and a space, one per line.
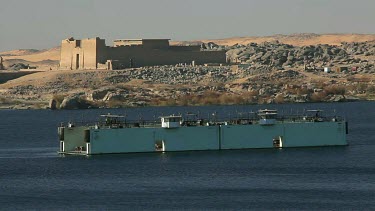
264, 129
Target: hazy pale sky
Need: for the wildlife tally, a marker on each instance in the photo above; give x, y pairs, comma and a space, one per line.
44, 23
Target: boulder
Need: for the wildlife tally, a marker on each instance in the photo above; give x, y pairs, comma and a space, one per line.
98, 94
112, 96
264, 91
52, 104
71, 102
337, 98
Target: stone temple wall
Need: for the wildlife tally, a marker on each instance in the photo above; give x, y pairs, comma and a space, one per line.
82, 54
138, 57
94, 54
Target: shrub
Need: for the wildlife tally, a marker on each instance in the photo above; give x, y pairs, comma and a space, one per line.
115, 103
226, 99
335, 90
318, 96
279, 99
210, 98
371, 89
302, 91
319, 84
362, 87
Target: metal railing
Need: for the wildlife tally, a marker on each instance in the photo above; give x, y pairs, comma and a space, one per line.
188, 122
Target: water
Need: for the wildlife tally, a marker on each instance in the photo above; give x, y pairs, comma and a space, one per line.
33, 176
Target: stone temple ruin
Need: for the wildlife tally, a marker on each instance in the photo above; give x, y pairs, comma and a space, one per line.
1, 63
93, 53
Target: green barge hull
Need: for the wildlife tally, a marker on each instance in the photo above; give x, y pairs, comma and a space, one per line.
91, 140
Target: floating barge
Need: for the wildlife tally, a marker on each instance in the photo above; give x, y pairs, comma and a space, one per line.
264, 129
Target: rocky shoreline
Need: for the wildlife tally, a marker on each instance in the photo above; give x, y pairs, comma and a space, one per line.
73, 105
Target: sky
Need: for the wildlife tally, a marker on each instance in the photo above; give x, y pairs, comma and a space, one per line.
40, 24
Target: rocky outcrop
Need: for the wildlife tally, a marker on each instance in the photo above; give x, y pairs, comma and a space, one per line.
18, 66
278, 55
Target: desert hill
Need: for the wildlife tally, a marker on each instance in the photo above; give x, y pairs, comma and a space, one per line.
293, 39
50, 57
20, 52
33, 55
45, 59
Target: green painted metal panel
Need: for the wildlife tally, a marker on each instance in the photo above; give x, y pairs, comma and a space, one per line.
249, 136
190, 138
293, 135
144, 139
122, 140
314, 134
73, 137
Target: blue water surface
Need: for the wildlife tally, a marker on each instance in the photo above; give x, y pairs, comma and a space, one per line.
34, 176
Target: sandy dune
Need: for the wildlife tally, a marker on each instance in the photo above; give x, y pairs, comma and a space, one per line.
20, 52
